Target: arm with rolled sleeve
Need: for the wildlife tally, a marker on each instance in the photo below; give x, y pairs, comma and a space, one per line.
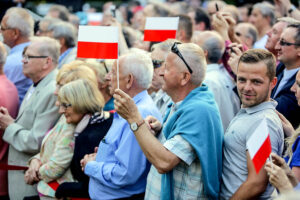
130, 163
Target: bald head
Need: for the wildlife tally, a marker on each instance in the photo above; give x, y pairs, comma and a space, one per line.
212, 44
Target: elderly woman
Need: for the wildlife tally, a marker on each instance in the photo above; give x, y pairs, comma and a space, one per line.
51, 169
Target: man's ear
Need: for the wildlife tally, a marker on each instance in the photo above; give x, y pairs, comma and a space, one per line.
129, 81
186, 77
16, 33
273, 82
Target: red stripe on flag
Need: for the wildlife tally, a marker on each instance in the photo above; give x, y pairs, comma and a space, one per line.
159, 35
97, 50
262, 154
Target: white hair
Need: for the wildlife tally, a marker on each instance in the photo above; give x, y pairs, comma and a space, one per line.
48, 47
195, 58
64, 30
140, 65
20, 19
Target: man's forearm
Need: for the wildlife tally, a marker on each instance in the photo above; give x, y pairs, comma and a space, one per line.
248, 190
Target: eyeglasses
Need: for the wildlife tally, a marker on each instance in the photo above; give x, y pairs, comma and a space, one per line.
28, 57
157, 63
175, 50
65, 105
284, 43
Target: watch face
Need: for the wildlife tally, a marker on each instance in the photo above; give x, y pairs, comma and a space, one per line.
133, 126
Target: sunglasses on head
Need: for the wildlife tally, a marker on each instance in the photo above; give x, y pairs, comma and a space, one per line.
175, 50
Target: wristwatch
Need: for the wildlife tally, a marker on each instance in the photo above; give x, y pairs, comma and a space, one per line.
135, 125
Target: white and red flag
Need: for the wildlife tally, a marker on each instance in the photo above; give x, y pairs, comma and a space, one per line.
100, 42
259, 145
159, 29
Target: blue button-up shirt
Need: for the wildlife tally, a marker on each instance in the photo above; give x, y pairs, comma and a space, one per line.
121, 168
13, 70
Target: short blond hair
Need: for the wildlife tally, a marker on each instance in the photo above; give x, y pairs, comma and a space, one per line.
76, 70
84, 97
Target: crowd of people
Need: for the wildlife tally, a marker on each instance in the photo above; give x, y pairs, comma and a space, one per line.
166, 120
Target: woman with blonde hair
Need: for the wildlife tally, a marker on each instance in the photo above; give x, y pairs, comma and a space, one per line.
50, 168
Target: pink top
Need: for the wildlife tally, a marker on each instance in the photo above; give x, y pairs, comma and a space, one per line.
9, 99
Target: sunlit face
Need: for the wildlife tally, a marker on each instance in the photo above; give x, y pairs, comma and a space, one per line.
157, 80
257, 19
7, 33
288, 54
33, 67
171, 74
113, 80
253, 84
296, 87
274, 35
72, 117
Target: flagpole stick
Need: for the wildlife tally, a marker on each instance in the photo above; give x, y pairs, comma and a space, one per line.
270, 157
118, 72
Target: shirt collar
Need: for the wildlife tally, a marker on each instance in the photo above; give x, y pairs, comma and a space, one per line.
262, 106
287, 74
64, 54
137, 98
19, 47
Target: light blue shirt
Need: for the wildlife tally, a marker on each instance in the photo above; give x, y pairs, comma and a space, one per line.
121, 168
13, 70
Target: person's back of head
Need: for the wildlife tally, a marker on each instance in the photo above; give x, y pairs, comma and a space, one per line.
212, 44
202, 16
44, 24
185, 29
65, 31
59, 11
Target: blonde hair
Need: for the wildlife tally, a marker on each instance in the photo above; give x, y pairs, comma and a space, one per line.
101, 68
290, 141
82, 95
76, 70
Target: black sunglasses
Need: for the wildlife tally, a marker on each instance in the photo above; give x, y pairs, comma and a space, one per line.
157, 63
284, 43
175, 50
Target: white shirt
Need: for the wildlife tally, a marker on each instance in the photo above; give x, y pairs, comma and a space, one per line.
287, 74
260, 44
220, 83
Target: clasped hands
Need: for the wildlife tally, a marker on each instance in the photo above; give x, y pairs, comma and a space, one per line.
32, 175
5, 118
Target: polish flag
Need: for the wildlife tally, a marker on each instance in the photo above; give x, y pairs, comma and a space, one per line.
159, 29
259, 145
100, 42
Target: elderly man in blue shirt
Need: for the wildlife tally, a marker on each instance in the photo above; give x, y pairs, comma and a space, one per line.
119, 169
17, 28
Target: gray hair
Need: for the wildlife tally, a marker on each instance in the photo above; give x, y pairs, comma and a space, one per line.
20, 19
164, 46
64, 30
48, 47
214, 45
3, 54
252, 33
267, 10
140, 65
194, 56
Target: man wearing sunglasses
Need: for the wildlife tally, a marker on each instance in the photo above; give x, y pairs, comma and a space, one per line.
186, 155
288, 53
16, 29
158, 55
37, 113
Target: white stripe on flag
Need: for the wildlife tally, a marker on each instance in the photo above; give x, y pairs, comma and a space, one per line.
257, 139
161, 23
103, 34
